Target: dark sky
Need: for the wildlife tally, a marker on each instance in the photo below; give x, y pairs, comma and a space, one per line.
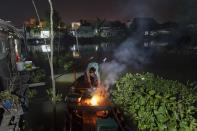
18, 11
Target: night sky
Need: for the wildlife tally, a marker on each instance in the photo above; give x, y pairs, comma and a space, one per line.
18, 11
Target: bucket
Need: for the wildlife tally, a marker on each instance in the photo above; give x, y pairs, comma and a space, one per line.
7, 104
28, 65
20, 66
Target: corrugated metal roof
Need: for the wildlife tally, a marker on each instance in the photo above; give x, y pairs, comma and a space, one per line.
6, 26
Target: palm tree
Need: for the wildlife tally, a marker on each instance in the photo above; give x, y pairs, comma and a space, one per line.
99, 24
57, 21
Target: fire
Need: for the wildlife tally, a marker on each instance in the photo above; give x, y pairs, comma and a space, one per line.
94, 100
99, 96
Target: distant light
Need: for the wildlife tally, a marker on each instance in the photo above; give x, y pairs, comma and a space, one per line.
73, 48
91, 58
76, 54
74, 33
75, 25
46, 48
104, 60
44, 34
96, 31
37, 41
146, 33
10, 36
96, 47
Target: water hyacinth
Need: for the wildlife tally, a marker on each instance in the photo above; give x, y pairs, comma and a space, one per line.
155, 103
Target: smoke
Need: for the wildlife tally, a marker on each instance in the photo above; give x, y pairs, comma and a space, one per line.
162, 10
131, 55
140, 8
111, 71
127, 56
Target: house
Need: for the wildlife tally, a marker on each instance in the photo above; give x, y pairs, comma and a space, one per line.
112, 29
10, 51
75, 25
159, 37
142, 26
128, 24
84, 32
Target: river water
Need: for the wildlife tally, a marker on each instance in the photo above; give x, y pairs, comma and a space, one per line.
175, 65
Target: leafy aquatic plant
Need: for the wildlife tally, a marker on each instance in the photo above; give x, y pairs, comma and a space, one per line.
155, 103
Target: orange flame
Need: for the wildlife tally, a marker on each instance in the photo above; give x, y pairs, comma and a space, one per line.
99, 96
94, 100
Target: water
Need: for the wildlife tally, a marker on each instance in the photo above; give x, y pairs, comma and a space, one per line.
170, 65
181, 65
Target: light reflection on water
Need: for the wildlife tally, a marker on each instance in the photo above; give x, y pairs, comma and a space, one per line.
172, 66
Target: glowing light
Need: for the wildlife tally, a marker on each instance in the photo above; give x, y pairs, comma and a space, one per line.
76, 54
75, 25
73, 48
96, 48
94, 100
46, 48
44, 34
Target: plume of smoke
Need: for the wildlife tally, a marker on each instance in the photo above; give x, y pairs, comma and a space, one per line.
111, 71
128, 55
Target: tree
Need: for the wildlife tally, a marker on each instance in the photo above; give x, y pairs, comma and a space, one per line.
99, 22
84, 22
118, 24
57, 22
